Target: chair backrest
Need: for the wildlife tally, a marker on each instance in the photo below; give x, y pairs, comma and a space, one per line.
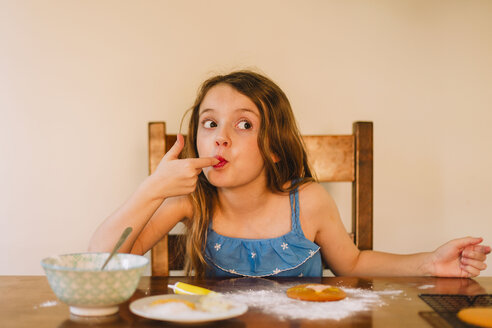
333, 158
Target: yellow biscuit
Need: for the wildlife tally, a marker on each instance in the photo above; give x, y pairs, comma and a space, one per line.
316, 293
172, 300
478, 316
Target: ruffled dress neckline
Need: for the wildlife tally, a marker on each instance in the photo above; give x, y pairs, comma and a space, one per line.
291, 254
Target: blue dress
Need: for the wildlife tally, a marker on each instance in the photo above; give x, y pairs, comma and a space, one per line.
290, 255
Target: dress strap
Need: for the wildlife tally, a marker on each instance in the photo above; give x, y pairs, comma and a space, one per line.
294, 209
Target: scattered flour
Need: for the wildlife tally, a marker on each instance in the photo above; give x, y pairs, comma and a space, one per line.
46, 304
276, 302
426, 286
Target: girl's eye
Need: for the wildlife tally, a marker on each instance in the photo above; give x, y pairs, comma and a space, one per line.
209, 124
244, 125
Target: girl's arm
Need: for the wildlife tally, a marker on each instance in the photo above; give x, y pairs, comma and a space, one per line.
151, 218
457, 258
156, 206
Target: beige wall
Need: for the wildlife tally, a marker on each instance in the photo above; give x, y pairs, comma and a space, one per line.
79, 80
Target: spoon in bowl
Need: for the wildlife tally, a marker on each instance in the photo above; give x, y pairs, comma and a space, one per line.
120, 242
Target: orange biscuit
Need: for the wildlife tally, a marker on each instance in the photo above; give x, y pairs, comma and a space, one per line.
478, 316
316, 293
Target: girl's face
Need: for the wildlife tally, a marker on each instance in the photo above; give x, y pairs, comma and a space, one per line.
228, 128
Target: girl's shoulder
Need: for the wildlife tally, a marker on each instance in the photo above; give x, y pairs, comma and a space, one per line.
315, 201
313, 190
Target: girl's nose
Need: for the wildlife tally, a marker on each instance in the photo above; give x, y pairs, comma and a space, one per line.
222, 141
222, 138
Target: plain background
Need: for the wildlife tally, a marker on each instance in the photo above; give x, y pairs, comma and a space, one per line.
79, 80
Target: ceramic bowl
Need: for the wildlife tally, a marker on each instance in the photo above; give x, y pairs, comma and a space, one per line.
78, 281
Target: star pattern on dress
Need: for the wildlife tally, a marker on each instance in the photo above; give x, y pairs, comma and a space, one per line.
301, 275
253, 255
233, 271
217, 246
276, 271
284, 246
311, 252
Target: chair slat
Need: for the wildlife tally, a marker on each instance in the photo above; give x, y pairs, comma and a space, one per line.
362, 188
157, 149
157, 144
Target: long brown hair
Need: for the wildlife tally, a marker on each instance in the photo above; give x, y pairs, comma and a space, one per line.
278, 135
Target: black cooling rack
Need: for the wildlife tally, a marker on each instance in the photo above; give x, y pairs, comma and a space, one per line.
447, 306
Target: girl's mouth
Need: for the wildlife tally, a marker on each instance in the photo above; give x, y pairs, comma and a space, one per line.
222, 162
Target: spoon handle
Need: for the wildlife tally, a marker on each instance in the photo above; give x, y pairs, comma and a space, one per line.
120, 242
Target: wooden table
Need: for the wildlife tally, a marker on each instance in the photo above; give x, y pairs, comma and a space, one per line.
27, 301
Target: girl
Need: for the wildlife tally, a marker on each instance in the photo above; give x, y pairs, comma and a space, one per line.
246, 193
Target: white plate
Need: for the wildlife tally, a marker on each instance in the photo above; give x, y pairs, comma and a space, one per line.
143, 308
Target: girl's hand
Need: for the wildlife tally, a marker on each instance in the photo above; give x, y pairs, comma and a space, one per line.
462, 257
175, 177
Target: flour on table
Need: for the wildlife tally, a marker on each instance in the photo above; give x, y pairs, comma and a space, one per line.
426, 286
46, 304
275, 302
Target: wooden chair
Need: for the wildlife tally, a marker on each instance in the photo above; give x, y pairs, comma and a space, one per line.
333, 158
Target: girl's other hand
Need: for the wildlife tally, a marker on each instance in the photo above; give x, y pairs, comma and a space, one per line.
462, 257
174, 176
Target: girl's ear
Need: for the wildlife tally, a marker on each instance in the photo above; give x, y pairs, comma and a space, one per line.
275, 158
